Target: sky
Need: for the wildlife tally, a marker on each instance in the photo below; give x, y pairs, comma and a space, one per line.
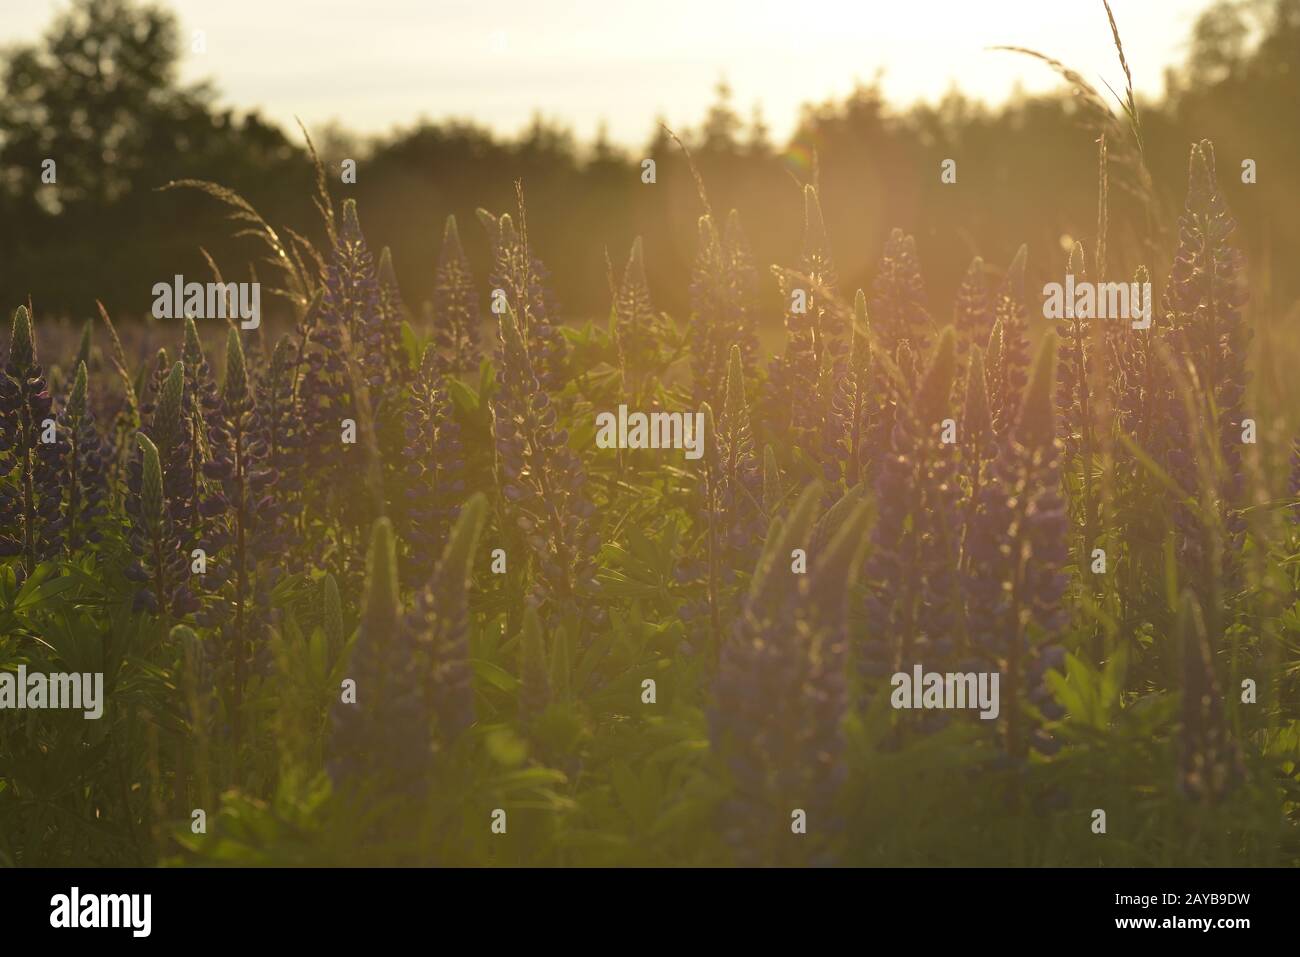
372, 65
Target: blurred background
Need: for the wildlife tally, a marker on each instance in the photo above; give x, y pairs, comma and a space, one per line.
571, 97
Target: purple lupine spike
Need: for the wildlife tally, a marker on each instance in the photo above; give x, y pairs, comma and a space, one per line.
384, 363
634, 325
898, 305
723, 287
542, 481
34, 520
852, 420
412, 669
1133, 381
177, 426
451, 689
83, 475
349, 326
813, 335
780, 695
1009, 363
524, 280
275, 399
455, 304
250, 516
1203, 305
1074, 367
435, 465
913, 601
708, 313
364, 749
739, 484
162, 566
741, 283
973, 310
1017, 545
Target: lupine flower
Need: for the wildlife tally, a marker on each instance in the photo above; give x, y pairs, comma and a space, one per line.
275, 400
913, 599
722, 305
780, 694
742, 285
162, 568
1008, 364
201, 402
189, 512
978, 445
197, 680
1075, 367
354, 303
905, 359
382, 738
1017, 548
731, 492
898, 310
1134, 376
1203, 304
150, 383
83, 474
853, 431
127, 418
334, 388
522, 277
251, 516
455, 304
435, 463
384, 360
414, 682
739, 487
541, 480
1204, 297
973, 310
812, 332
33, 519
440, 621
833, 425
634, 325
703, 616
1074, 405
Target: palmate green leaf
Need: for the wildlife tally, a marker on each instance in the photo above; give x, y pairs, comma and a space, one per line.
40, 587
466, 399
615, 585
1090, 696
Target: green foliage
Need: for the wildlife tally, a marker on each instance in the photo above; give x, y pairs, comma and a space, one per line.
477, 639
